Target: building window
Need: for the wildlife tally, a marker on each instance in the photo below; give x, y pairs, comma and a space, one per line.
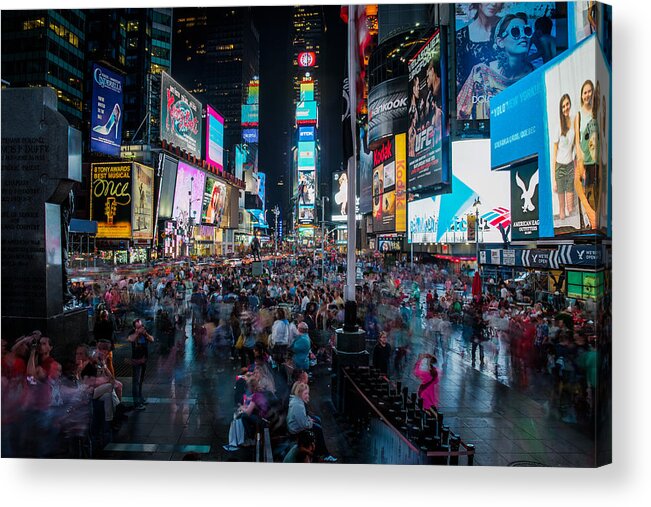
33, 24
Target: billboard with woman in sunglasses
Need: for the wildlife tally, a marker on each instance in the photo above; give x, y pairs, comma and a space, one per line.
498, 44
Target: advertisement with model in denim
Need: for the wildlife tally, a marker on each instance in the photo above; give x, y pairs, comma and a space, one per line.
106, 108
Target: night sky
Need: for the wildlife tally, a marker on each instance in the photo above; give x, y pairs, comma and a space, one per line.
276, 111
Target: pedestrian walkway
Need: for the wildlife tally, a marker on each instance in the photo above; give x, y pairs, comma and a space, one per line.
190, 406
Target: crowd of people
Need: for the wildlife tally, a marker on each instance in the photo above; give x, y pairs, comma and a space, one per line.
271, 331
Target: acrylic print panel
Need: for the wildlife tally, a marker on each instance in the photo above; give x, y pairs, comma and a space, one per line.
491, 349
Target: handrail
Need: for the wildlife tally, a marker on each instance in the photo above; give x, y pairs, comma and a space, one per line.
430, 454
268, 453
381, 416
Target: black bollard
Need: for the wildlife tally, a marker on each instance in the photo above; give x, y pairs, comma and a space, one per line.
455, 442
471, 454
445, 435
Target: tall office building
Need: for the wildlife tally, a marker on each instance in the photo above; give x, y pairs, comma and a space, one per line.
46, 48
307, 30
148, 54
216, 56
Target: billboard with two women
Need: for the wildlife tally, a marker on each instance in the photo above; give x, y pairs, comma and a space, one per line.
561, 116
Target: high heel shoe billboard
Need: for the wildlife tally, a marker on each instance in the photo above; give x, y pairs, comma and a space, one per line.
106, 121
180, 121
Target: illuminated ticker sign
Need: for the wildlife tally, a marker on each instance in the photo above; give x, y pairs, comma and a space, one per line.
306, 59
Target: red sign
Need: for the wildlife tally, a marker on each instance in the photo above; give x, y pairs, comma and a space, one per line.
306, 59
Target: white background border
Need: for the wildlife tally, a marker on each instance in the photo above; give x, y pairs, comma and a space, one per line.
626, 482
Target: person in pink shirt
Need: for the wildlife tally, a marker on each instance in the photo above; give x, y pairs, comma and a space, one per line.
429, 381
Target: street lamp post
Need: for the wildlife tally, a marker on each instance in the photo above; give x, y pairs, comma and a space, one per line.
323, 200
190, 223
276, 212
476, 205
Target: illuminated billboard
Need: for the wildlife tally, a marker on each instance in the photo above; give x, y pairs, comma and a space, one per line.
365, 174
167, 185
387, 109
306, 214
307, 90
214, 138
250, 136
214, 201
180, 121
307, 59
262, 187
111, 199
250, 115
143, 202
306, 157
443, 218
401, 182
106, 111
496, 47
306, 112
537, 118
306, 188
254, 92
188, 197
427, 160
306, 134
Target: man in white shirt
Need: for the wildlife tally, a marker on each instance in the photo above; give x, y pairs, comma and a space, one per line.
304, 301
280, 336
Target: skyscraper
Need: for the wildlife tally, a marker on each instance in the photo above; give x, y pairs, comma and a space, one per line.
216, 55
46, 48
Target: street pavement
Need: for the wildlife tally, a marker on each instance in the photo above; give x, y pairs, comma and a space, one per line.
190, 407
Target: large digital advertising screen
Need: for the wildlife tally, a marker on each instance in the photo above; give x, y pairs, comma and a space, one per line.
497, 44
443, 218
143, 202
339, 201
253, 96
365, 168
561, 116
106, 111
167, 184
306, 188
262, 187
214, 138
188, 197
307, 91
427, 105
306, 134
111, 199
214, 202
389, 242
180, 121
387, 109
306, 112
250, 115
401, 182
306, 214
306, 154
250, 136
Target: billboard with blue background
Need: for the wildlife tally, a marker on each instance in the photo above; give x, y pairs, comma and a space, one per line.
561, 115
106, 111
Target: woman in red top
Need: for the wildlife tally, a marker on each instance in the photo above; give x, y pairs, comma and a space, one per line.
429, 378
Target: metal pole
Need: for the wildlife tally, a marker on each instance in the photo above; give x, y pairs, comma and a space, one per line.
412, 255
323, 198
477, 236
352, 161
